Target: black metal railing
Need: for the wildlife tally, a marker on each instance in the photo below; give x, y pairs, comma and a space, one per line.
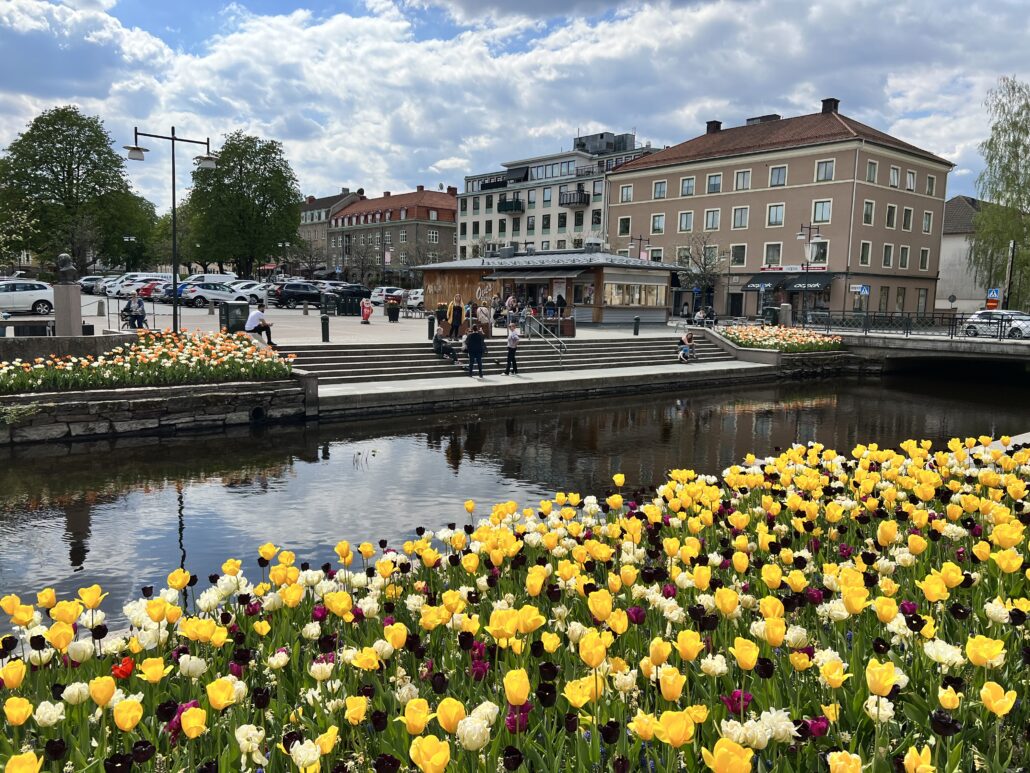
573, 199
511, 205
948, 324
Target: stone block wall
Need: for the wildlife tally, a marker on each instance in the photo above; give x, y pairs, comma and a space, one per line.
31, 347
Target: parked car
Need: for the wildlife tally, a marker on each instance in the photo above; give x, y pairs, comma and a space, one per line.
87, 282
998, 322
353, 291
203, 293
292, 294
150, 288
416, 299
26, 295
212, 278
380, 295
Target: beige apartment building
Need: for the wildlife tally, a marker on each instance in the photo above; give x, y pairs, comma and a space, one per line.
819, 211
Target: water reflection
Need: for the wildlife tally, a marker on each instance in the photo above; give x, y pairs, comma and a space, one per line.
123, 513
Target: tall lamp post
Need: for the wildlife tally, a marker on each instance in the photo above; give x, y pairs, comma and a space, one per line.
643, 243
805, 234
127, 240
207, 160
283, 250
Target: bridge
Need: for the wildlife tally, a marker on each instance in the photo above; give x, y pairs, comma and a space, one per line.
891, 348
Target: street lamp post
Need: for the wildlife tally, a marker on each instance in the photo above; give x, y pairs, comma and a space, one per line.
805, 234
643, 242
283, 249
127, 240
207, 160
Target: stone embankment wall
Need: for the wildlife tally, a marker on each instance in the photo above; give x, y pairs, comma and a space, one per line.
31, 347
823, 364
56, 416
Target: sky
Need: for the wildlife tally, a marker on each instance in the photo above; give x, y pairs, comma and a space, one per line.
389, 94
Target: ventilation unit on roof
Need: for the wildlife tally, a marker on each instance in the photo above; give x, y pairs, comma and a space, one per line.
763, 119
506, 252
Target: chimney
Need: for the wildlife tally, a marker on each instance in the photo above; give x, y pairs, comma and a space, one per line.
713, 126
831, 105
419, 188
386, 194
452, 190
344, 191
311, 199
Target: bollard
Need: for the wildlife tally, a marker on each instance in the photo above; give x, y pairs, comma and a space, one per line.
101, 309
210, 308
325, 328
305, 308
432, 327
636, 326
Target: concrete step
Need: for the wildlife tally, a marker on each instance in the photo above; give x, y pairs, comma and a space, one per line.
419, 345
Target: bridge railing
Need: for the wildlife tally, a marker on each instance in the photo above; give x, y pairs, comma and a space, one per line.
946, 324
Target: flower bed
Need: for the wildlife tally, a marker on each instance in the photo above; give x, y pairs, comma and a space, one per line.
797, 614
155, 359
782, 339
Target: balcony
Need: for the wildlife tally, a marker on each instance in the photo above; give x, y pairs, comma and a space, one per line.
492, 186
509, 207
573, 199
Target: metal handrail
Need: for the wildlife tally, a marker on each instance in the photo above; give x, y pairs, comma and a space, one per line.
542, 331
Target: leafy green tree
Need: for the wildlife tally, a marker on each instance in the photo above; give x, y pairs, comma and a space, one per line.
1005, 184
64, 176
248, 204
16, 230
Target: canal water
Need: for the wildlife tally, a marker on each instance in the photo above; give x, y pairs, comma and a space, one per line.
124, 513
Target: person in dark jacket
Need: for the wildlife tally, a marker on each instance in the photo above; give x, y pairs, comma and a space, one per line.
561, 303
455, 314
475, 346
442, 346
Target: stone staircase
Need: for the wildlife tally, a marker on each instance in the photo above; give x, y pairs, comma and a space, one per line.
353, 363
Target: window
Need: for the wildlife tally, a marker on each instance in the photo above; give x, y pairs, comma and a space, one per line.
740, 216
489, 230
686, 186
821, 211
927, 222
715, 183
892, 216
921, 300
388, 238
895, 177
402, 235
738, 254
868, 212
547, 197
489, 204
545, 223
595, 217
502, 226
777, 176
888, 255
711, 219
545, 244
772, 254
820, 252
823, 171
434, 236
906, 219
625, 193
899, 299
475, 229
864, 253
624, 225
931, 187
516, 225
903, 256
656, 254
577, 219
531, 224
464, 205
659, 190
775, 215
686, 222
475, 204
563, 219
598, 187
910, 185
924, 259
885, 297
658, 224
870, 171
531, 197
742, 180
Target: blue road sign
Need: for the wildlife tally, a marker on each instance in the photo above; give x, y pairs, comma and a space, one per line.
994, 294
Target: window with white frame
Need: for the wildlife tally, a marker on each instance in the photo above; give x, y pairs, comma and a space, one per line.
624, 226
819, 252
659, 189
742, 180
711, 254
686, 223
714, 183
402, 235
712, 219
868, 212
773, 253
895, 177
547, 197
931, 185
388, 238
740, 217
906, 219
656, 254
774, 217
824, 171
888, 255
892, 216
683, 254
865, 252
777, 176
686, 186
927, 222
625, 193
738, 254
658, 223
924, 259
821, 211
870, 171
903, 256
910, 180
434, 236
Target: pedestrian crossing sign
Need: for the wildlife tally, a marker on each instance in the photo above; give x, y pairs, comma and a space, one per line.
994, 294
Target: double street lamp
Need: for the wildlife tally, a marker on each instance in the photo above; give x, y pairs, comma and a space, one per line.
206, 160
806, 233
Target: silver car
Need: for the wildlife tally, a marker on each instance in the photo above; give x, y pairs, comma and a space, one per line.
997, 324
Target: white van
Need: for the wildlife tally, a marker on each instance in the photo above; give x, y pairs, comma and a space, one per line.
211, 278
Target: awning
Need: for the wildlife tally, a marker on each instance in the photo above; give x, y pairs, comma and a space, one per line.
268, 266
518, 174
567, 273
764, 282
810, 282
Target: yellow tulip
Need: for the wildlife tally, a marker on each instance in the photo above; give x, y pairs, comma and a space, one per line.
470, 562
430, 754
775, 631
675, 728
178, 579
919, 761
671, 682
292, 595
17, 710
844, 762
698, 713
153, 670
91, 596
772, 576
831, 712
262, 627
592, 649
551, 641
101, 690
985, 652
367, 659
449, 713
516, 686
13, 674
832, 671
578, 691
728, 757
268, 551
221, 694
24, 763
66, 611
619, 479
46, 598
886, 609
327, 740
600, 604
194, 722
996, 700
689, 644
746, 653
60, 636
949, 699
231, 566
127, 714
618, 621
530, 619
643, 725
416, 716
880, 677
357, 705
726, 601
396, 634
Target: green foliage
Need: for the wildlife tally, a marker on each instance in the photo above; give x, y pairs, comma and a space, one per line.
1005, 182
15, 414
248, 204
62, 177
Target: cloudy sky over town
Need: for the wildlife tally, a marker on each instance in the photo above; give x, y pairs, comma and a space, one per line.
387, 94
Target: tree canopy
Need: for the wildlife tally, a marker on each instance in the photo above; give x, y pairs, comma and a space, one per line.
1005, 184
64, 186
249, 203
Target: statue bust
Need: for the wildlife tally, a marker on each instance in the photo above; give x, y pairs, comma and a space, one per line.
66, 273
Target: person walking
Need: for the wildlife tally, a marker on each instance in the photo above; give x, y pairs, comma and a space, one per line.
366, 311
455, 313
136, 311
484, 318
475, 347
256, 324
512, 365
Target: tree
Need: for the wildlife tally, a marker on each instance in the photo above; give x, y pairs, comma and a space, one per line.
1005, 184
246, 205
62, 174
701, 264
16, 230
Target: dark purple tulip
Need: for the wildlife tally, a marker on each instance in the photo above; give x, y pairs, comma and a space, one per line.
290, 738
517, 719
386, 763
118, 763
818, 727
814, 596
737, 701
512, 758
55, 749
669, 590
908, 607
379, 722
479, 669
571, 722
319, 613
636, 615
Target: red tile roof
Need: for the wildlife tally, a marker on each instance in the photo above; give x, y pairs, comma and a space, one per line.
431, 199
782, 134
